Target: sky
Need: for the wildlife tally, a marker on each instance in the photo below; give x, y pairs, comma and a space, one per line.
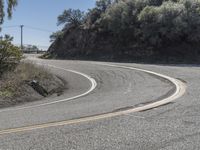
39, 14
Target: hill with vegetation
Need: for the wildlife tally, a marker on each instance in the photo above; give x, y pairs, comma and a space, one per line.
131, 30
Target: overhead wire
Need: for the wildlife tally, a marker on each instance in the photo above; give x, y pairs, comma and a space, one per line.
29, 27
14, 26
39, 29
32, 28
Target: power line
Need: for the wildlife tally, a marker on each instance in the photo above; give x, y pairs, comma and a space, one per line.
39, 29
14, 26
29, 27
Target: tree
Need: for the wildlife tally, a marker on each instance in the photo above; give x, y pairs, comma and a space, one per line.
10, 55
94, 16
103, 4
162, 24
6, 37
91, 18
55, 35
71, 17
11, 5
191, 18
117, 17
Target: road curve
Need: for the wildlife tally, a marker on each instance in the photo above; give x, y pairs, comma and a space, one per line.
118, 92
91, 80
178, 92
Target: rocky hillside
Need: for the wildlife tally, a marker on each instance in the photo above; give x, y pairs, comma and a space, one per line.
83, 44
132, 30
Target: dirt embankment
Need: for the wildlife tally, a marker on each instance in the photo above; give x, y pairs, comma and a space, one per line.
28, 83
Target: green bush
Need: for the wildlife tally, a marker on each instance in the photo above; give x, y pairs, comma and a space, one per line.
10, 55
71, 17
162, 24
171, 22
55, 35
191, 17
117, 18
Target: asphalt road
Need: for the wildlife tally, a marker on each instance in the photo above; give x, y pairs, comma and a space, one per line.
172, 126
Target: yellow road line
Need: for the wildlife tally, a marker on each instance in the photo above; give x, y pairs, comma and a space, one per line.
180, 90
92, 118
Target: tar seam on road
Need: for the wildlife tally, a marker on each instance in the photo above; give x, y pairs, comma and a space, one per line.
180, 90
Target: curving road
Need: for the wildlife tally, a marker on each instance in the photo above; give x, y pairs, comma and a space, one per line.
96, 112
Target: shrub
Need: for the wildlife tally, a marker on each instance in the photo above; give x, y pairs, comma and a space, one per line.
56, 35
71, 17
121, 21
162, 24
191, 17
10, 55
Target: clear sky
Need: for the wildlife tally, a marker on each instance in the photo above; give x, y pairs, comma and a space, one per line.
40, 14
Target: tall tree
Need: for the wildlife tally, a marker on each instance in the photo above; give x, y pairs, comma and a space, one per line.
71, 17
55, 35
10, 6
103, 4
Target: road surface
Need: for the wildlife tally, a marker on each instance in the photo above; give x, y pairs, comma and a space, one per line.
96, 90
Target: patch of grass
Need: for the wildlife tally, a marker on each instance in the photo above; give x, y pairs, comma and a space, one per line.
29, 71
6, 93
12, 82
47, 56
27, 83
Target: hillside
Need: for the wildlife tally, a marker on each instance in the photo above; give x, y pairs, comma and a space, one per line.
132, 30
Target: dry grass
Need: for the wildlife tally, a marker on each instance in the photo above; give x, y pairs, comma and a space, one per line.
11, 83
16, 87
47, 56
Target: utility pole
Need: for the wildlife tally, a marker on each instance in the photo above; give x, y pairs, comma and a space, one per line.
21, 26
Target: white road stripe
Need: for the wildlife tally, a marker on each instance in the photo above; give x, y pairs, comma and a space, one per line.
180, 90
93, 86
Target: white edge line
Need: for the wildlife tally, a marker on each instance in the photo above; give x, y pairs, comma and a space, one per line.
180, 87
180, 90
93, 86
